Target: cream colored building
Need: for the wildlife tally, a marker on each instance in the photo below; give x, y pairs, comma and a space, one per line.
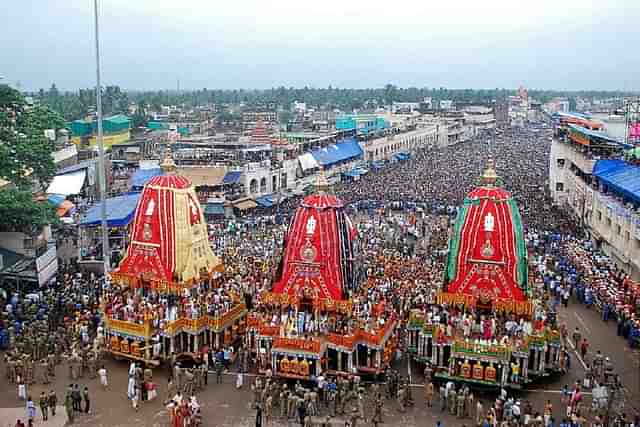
612, 224
385, 147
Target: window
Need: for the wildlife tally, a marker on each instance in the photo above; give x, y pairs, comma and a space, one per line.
618, 229
599, 216
560, 163
559, 186
608, 222
627, 236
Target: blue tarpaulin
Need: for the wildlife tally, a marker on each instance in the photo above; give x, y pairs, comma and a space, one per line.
265, 201
142, 176
356, 172
214, 209
120, 211
231, 177
401, 156
56, 199
345, 150
620, 176
352, 174
377, 165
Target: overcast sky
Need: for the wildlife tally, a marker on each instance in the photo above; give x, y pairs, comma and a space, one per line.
224, 44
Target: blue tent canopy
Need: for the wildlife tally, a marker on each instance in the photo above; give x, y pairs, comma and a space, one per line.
620, 176
142, 176
346, 150
265, 201
120, 211
231, 177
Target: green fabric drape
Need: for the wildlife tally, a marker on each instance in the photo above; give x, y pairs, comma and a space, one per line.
521, 246
454, 244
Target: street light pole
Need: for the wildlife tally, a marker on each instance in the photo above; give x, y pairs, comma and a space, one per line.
102, 181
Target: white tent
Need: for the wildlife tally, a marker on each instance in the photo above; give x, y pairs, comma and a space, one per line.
68, 184
307, 161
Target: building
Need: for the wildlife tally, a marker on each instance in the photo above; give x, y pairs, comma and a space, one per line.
501, 110
80, 179
404, 107
557, 105
363, 124
195, 121
27, 260
458, 130
385, 147
65, 156
253, 116
481, 118
601, 192
116, 129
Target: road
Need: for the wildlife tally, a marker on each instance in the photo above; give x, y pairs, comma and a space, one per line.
224, 405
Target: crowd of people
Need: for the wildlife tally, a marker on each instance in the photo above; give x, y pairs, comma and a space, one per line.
403, 213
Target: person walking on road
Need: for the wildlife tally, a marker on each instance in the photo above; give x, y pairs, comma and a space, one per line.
576, 337
31, 410
584, 346
87, 401
102, 373
44, 406
52, 400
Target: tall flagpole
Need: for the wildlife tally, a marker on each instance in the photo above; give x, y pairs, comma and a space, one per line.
102, 181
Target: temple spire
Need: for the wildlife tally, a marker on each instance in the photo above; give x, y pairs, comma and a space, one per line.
168, 166
322, 184
489, 177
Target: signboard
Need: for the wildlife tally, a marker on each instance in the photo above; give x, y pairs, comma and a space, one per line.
48, 272
45, 259
47, 265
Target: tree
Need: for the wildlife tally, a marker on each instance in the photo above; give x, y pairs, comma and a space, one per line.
390, 93
25, 158
139, 118
9, 97
19, 212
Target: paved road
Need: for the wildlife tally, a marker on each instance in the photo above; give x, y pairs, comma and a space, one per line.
224, 405
602, 336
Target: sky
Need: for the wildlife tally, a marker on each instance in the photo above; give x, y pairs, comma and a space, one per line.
229, 44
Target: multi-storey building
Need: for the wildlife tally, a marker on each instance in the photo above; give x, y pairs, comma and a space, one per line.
384, 148
480, 117
588, 178
363, 124
116, 129
251, 117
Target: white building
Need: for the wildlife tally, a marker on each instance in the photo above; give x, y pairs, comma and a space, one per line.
404, 107
480, 117
446, 104
266, 177
578, 183
385, 147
